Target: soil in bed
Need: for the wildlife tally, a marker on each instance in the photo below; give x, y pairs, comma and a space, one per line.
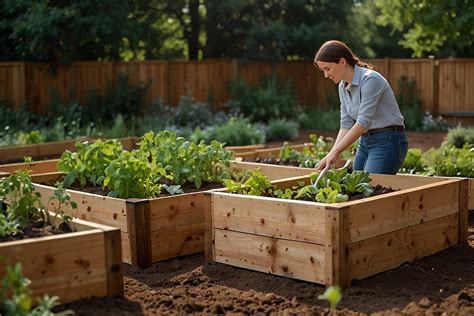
440, 284
37, 229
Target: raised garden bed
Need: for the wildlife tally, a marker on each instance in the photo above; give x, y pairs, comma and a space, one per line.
333, 244
49, 150
152, 229
72, 266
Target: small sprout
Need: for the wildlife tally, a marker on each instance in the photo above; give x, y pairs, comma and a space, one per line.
333, 295
28, 159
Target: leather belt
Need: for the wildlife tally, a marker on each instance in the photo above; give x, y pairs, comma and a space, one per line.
383, 129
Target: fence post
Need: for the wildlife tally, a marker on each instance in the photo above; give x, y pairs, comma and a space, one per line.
235, 69
435, 87
22, 93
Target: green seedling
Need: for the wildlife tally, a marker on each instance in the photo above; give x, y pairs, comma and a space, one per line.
333, 295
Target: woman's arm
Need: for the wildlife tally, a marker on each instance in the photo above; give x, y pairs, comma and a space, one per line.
345, 138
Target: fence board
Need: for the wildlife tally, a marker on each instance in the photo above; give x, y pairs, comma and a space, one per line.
207, 80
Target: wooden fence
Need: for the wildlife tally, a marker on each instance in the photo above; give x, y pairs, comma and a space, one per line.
445, 86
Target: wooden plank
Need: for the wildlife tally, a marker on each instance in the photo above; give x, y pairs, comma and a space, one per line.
393, 211
246, 148
208, 203
463, 209
113, 262
276, 218
36, 167
388, 251
49, 178
273, 172
92, 207
471, 194
138, 221
176, 210
294, 259
73, 258
177, 241
337, 247
403, 181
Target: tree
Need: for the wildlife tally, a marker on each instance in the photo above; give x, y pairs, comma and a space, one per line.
64, 31
441, 27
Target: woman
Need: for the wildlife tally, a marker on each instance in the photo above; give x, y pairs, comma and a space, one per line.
369, 110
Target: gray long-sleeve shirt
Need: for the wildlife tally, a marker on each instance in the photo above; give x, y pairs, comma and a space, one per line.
369, 101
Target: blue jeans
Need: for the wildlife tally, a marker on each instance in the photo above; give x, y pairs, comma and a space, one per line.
382, 152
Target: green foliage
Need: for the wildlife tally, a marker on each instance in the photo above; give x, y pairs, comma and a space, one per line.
192, 114
62, 31
450, 161
444, 161
410, 103
321, 119
334, 186
358, 182
330, 195
23, 203
459, 136
429, 27
333, 295
309, 156
257, 184
16, 296
282, 129
237, 131
131, 175
88, 163
271, 100
121, 97
413, 162
187, 161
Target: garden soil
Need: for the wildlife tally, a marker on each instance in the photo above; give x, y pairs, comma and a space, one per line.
440, 284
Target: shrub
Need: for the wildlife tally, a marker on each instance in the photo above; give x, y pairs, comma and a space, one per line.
237, 131
273, 99
459, 136
431, 123
321, 119
410, 103
192, 114
282, 129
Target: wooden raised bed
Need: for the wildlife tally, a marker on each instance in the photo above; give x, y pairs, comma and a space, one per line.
50, 149
334, 243
152, 229
267, 152
246, 148
72, 266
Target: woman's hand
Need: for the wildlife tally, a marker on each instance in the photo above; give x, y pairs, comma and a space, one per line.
330, 159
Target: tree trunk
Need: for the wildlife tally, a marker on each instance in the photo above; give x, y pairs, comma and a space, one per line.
210, 50
193, 40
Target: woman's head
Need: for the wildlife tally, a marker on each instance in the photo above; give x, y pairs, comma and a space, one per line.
333, 58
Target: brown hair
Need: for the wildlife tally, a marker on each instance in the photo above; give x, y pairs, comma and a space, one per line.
333, 51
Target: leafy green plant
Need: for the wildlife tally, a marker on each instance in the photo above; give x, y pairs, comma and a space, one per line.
413, 162
88, 163
131, 175
23, 203
16, 296
187, 161
450, 161
358, 182
309, 156
330, 195
257, 184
